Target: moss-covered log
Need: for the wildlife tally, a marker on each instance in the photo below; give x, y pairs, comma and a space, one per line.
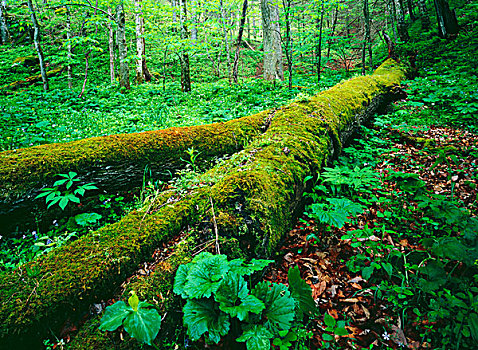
256, 194
28, 81
113, 162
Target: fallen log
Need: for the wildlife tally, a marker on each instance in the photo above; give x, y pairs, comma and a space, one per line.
115, 162
30, 80
257, 195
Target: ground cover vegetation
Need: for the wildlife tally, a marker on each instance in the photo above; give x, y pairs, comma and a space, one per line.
387, 246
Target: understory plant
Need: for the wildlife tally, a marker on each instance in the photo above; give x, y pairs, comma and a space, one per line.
223, 303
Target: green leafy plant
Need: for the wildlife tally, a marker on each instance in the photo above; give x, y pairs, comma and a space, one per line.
54, 195
141, 323
335, 213
220, 302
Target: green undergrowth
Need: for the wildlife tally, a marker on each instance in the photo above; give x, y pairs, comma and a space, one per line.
251, 194
30, 117
430, 283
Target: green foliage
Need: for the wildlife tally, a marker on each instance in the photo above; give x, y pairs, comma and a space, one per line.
218, 297
335, 213
53, 195
141, 323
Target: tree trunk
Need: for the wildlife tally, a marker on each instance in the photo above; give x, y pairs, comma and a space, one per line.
334, 23
184, 57
401, 25
111, 46
410, 10
288, 40
257, 196
4, 35
424, 17
319, 48
239, 40
194, 27
367, 38
226, 42
446, 18
36, 40
122, 47
69, 54
87, 58
393, 15
140, 49
273, 68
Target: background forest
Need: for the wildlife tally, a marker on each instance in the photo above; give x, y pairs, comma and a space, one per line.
387, 244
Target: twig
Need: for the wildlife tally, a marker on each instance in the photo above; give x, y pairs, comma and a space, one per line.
218, 251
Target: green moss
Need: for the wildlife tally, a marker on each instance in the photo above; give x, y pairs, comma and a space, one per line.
257, 195
27, 168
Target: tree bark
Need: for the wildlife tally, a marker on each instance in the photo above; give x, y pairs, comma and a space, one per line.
122, 48
446, 18
288, 40
239, 41
319, 49
410, 10
69, 54
111, 46
334, 24
4, 35
184, 57
226, 41
424, 17
273, 68
367, 38
139, 20
36, 40
401, 25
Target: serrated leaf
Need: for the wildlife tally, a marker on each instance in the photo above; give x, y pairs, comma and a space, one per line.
301, 292
180, 280
205, 276
279, 305
114, 316
256, 337
143, 324
203, 315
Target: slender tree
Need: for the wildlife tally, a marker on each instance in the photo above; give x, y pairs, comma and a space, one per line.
226, 41
139, 20
288, 39
367, 42
122, 47
424, 17
68, 47
319, 48
410, 10
273, 68
184, 57
36, 41
401, 25
239, 40
111, 45
4, 35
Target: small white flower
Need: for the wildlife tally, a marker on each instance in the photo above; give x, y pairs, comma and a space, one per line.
386, 336
1, 236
